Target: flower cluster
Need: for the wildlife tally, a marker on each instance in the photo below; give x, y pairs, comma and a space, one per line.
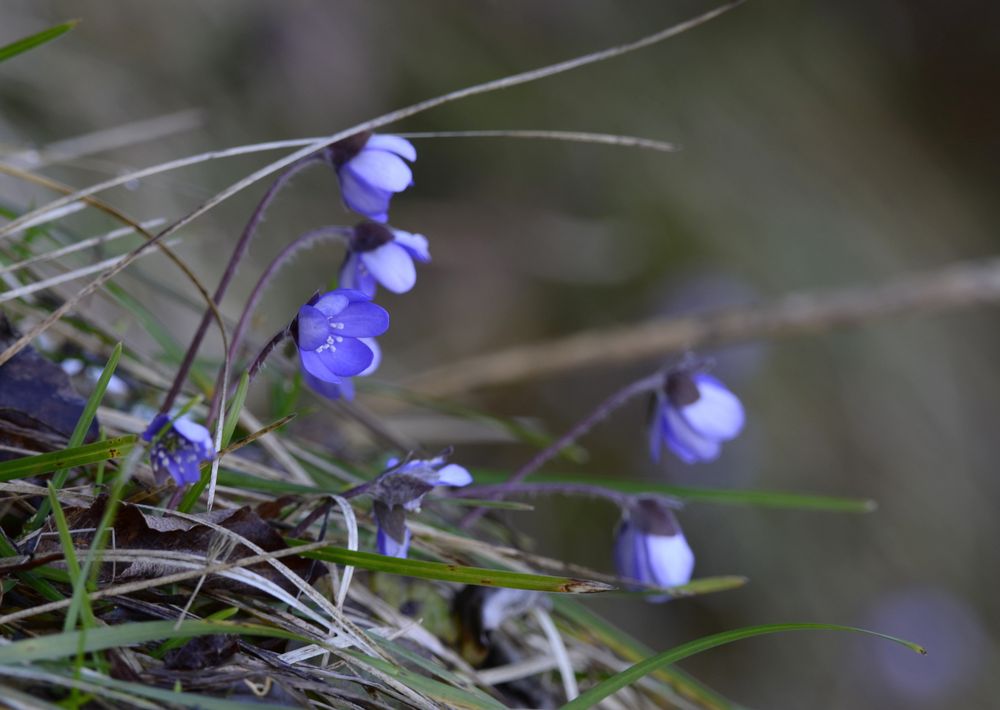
179, 450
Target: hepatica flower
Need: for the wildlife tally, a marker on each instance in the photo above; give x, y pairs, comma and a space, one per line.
693, 415
650, 547
333, 334
371, 169
381, 255
181, 449
402, 489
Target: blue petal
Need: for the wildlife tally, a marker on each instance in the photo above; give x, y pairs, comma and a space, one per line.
313, 327
390, 547
363, 198
197, 436
717, 413
313, 366
392, 266
354, 275
185, 468
342, 389
346, 358
159, 421
376, 357
394, 144
454, 475
415, 244
360, 320
380, 169
333, 302
671, 560
684, 441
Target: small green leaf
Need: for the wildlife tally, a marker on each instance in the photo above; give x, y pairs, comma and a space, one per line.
67, 458
678, 653
31, 41
454, 573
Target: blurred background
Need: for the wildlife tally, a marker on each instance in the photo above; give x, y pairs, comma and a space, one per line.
824, 145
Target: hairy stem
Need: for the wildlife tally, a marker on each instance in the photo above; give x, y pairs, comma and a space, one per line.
605, 408
304, 241
239, 251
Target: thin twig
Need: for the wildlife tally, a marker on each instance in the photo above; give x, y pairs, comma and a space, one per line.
952, 287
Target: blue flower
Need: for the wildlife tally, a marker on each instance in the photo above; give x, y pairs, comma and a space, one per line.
693, 415
380, 254
371, 169
401, 489
650, 547
331, 332
180, 450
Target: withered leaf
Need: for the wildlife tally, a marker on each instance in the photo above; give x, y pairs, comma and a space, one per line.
38, 406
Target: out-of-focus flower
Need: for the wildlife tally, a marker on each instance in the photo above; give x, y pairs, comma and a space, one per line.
333, 333
180, 450
650, 547
371, 169
693, 415
402, 489
380, 254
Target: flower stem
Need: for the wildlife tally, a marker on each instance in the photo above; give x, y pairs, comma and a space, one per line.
603, 410
304, 241
239, 251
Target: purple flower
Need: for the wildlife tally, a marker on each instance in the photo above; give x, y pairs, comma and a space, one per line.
402, 489
371, 168
693, 415
180, 450
380, 254
650, 547
332, 333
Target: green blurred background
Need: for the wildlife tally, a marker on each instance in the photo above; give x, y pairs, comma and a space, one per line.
824, 144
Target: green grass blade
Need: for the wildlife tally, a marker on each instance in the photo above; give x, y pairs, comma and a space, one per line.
57, 646
678, 653
233, 413
764, 499
605, 634
451, 696
67, 458
32, 41
82, 427
455, 573
69, 551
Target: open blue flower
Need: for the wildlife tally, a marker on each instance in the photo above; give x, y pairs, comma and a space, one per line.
650, 547
382, 255
402, 489
180, 450
693, 415
371, 169
332, 333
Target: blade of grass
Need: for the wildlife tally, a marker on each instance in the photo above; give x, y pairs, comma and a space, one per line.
32, 41
57, 646
765, 499
82, 427
615, 639
678, 653
69, 552
32, 579
454, 573
67, 458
